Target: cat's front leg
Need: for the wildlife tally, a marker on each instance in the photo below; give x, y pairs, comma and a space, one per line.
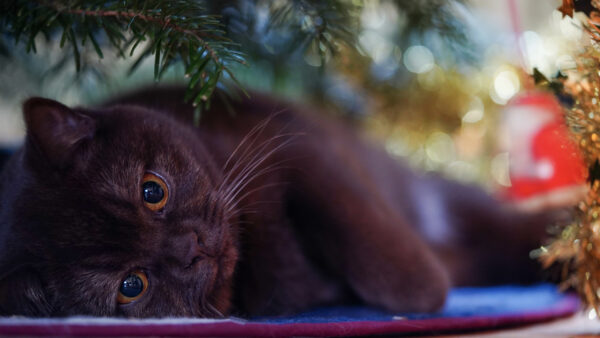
358, 235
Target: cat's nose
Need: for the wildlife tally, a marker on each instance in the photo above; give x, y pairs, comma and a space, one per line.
196, 251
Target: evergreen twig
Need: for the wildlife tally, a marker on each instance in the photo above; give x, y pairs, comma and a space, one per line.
172, 31
198, 34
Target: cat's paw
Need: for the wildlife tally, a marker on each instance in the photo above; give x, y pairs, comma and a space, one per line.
427, 296
412, 285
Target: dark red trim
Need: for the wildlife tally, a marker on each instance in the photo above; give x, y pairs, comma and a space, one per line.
565, 307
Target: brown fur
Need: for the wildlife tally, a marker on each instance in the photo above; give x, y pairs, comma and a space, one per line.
271, 211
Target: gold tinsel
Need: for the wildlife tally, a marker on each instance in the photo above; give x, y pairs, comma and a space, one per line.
578, 245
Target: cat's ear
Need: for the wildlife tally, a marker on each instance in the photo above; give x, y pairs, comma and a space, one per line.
54, 129
22, 293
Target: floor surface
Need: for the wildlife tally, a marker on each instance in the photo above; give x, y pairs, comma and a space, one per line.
582, 324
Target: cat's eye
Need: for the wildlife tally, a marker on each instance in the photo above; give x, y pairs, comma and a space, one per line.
155, 192
132, 287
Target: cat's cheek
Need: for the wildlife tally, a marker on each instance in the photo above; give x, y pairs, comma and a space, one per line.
228, 262
222, 289
222, 298
221, 293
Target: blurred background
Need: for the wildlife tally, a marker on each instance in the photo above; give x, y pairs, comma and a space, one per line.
429, 78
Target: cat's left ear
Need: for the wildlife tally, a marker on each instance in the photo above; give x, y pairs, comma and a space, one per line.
55, 129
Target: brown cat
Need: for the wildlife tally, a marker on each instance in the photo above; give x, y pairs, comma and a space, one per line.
129, 210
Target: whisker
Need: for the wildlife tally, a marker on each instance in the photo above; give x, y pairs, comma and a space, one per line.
203, 310
251, 176
248, 151
214, 310
255, 131
246, 194
247, 177
255, 203
258, 152
231, 197
245, 211
247, 166
246, 222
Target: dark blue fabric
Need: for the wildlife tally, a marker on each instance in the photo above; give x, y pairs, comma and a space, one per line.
461, 302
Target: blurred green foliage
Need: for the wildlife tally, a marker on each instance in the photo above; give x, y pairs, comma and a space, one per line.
292, 44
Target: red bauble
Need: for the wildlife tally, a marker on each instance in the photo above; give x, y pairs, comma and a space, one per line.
544, 159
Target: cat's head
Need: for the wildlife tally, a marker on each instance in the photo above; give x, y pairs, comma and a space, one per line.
113, 212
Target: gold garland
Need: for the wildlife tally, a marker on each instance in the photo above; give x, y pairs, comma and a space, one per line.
578, 245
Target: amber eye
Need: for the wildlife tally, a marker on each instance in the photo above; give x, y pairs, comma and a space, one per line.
154, 192
132, 287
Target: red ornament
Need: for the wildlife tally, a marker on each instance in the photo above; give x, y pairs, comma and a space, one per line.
546, 165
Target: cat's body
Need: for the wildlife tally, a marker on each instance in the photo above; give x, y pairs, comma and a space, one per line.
272, 210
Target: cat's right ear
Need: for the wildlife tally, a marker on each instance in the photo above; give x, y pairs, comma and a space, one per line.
54, 129
22, 293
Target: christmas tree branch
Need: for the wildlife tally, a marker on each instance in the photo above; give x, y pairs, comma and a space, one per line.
188, 32
172, 31
165, 22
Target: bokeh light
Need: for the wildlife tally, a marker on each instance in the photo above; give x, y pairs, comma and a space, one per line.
440, 148
506, 84
500, 169
378, 47
475, 112
418, 59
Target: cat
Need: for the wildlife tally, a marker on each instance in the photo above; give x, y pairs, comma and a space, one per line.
265, 208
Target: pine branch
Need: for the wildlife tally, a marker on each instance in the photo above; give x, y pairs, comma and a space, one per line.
172, 31
322, 25
440, 18
188, 32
